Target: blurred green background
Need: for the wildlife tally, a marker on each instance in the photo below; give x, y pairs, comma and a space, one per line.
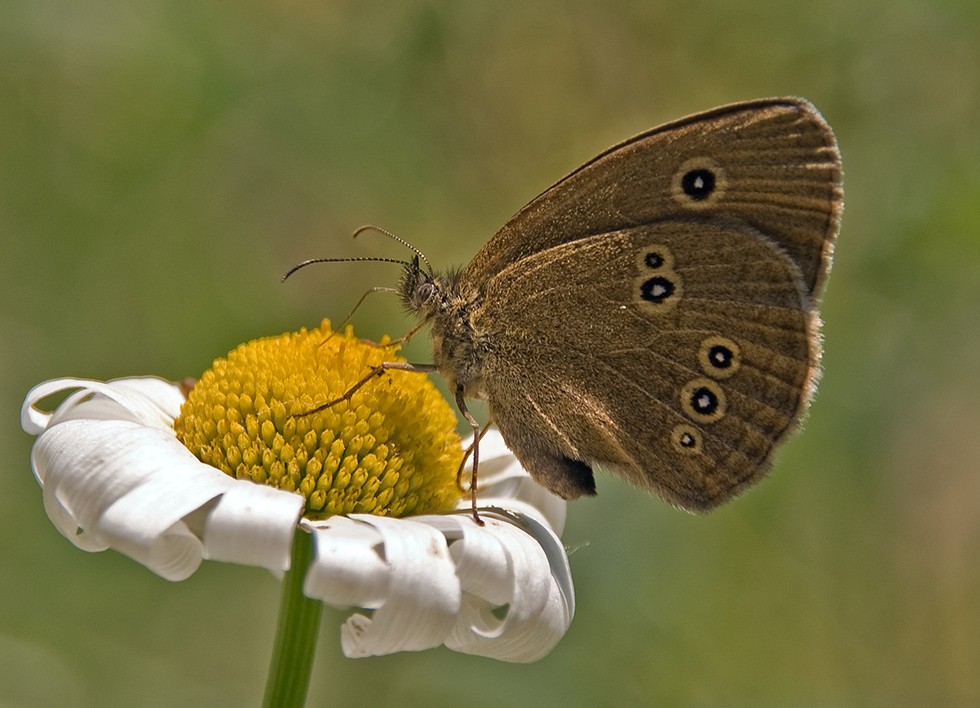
162, 162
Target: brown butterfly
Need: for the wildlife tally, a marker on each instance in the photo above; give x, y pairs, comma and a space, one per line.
654, 313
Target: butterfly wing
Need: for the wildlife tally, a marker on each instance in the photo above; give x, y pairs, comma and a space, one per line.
676, 354
654, 312
772, 164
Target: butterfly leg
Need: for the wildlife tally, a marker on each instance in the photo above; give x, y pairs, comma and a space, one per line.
478, 432
374, 373
475, 447
402, 339
343, 323
468, 452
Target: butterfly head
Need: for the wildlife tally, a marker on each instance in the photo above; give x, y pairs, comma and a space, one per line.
420, 290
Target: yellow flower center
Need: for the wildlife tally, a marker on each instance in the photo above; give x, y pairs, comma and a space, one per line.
390, 450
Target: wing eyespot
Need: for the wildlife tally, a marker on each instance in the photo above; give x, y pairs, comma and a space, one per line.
686, 439
656, 258
703, 400
699, 183
657, 289
658, 294
719, 357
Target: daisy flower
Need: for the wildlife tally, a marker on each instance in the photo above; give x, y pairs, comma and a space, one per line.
357, 504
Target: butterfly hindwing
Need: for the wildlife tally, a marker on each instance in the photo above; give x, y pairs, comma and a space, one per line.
651, 352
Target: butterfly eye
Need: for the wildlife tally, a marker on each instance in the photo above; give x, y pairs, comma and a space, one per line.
426, 291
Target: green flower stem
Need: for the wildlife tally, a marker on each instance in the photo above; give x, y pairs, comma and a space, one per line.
296, 635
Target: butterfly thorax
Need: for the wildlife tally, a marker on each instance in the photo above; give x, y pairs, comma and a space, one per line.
441, 302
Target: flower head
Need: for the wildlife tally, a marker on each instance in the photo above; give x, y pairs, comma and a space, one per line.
390, 450
115, 475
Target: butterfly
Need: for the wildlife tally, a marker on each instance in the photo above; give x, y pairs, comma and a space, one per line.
654, 313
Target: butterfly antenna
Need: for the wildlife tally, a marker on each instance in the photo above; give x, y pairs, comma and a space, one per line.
393, 237
311, 261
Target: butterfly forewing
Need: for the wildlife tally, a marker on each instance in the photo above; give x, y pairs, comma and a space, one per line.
775, 167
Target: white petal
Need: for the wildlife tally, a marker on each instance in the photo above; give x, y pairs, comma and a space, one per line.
252, 525
415, 599
147, 400
350, 569
518, 599
130, 485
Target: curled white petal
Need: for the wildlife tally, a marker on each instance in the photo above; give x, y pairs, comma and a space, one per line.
518, 600
115, 476
415, 599
146, 400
